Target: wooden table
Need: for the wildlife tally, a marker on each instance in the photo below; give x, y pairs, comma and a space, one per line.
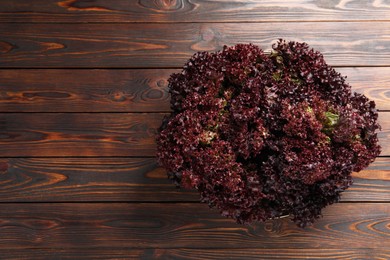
83, 87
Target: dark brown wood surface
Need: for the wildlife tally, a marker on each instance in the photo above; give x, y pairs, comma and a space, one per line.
70, 90
184, 225
166, 45
96, 134
81, 134
134, 90
169, 11
83, 88
133, 180
200, 254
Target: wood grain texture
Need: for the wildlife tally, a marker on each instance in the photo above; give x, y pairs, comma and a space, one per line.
199, 254
96, 134
56, 134
81, 182
122, 90
372, 82
161, 45
87, 179
384, 134
121, 225
132, 180
41, 90
71, 11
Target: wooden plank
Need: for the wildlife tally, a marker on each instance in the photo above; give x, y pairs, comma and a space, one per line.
161, 45
198, 253
384, 134
36, 90
96, 134
371, 184
118, 225
132, 180
122, 90
372, 82
56, 134
71, 11
87, 179
83, 253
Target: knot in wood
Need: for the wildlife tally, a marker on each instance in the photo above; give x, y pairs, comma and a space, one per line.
169, 5
162, 83
273, 226
207, 34
117, 95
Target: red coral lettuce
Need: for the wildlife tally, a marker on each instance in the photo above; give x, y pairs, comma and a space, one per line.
264, 135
